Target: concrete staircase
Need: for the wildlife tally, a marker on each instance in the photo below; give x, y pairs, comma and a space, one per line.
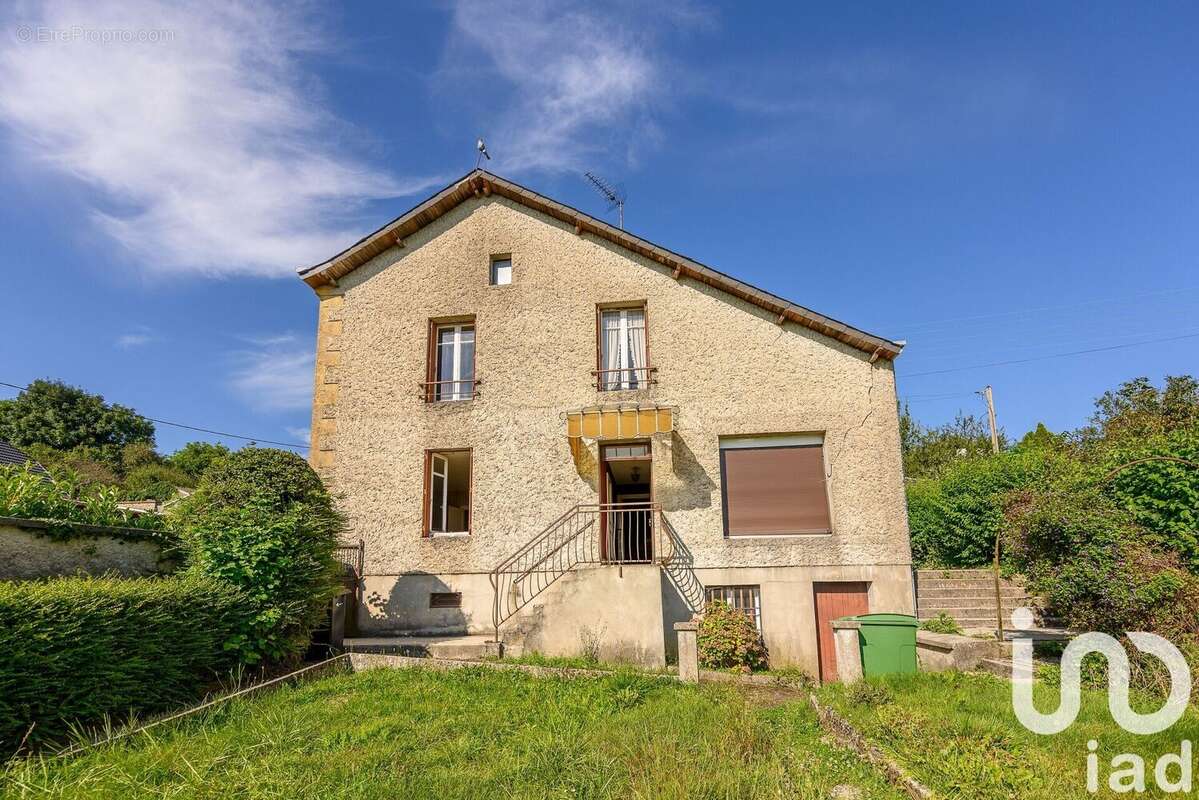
464, 647
967, 595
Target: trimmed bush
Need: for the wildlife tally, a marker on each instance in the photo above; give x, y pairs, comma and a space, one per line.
261, 520
77, 649
727, 639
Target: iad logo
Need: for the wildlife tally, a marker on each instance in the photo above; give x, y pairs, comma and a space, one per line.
1117, 681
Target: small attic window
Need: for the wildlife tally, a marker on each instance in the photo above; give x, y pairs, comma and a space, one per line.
501, 270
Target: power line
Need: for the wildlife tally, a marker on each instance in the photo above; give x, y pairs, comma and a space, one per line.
1054, 355
254, 439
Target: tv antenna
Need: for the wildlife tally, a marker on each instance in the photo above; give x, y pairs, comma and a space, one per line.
615, 195
481, 146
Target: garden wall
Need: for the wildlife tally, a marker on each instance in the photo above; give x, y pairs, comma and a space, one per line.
32, 549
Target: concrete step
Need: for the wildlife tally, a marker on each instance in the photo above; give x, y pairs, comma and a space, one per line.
971, 591
931, 574
1001, 667
960, 600
466, 648
961, 583
971, 611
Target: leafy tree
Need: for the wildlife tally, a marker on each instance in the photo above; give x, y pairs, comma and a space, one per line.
928, 452
138, 454
261, 520
1138, 409
154, 482
84, 467
64, 417
196, 457
1041, 438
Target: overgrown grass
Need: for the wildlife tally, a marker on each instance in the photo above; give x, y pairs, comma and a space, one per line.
469, 734
958, 734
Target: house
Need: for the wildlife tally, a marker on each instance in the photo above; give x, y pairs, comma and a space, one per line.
11, 456
549, 430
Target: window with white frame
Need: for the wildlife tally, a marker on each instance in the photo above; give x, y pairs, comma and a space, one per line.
501, 270
447, 491
453, 365
746, 599
622, 350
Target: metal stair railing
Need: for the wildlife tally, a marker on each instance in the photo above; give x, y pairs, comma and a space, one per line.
588, 533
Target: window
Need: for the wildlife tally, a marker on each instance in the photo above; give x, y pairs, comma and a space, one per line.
622, 350
447, 491
445, 600
451, 362
501, 271
773, 485
746, 599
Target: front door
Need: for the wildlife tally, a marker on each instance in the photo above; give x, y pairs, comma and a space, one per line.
626, 518
833, 601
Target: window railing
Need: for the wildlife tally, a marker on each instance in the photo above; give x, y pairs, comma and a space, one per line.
449, 391
624, 378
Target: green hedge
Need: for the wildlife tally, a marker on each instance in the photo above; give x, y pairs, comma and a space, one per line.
77, 649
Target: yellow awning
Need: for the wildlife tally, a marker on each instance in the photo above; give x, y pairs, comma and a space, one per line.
619, 422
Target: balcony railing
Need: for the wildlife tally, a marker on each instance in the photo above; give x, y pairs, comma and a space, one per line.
625, 378
449, 391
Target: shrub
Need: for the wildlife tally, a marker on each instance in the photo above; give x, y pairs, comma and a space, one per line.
154, 482
194, 458
728, 639
942, 623
77, 649
24, 494
261, 520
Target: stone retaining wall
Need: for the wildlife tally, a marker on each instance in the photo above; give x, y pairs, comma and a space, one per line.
31, 549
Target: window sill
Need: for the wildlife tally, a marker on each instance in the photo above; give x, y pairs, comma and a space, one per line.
760, 537
449, 535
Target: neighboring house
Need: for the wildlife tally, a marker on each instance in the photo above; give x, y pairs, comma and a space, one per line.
10, 456
541, 424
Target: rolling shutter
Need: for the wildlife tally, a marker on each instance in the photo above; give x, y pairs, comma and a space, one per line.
774, 490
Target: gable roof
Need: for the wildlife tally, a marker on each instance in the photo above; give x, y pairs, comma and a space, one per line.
481, 183
10, 455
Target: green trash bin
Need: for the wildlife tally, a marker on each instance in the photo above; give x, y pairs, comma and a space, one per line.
888, 643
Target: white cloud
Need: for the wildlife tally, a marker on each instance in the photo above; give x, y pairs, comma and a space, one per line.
300, 435
128, 341
207, 149
565, 82
276, 375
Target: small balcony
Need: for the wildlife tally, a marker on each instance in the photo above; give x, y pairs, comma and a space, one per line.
624, 379
450, 391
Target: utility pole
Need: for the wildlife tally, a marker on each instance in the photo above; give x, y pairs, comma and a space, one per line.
991, 418
995, 449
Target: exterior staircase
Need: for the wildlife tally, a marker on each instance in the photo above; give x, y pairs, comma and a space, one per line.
968, 595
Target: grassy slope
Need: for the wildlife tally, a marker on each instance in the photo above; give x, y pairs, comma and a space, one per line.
476, 733
957, 733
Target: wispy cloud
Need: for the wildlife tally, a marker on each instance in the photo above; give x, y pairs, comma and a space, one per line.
275, 375
139, 336
300, 435
562, 81
207, 147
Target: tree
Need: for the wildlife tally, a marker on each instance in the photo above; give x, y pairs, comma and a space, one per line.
64, 417
928, 452
195, 458
1138, 409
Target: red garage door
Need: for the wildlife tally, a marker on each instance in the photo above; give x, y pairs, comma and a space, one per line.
834, 600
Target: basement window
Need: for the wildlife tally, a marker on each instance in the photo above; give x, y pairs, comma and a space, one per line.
746, 599
445, 600
501, 270
447, 492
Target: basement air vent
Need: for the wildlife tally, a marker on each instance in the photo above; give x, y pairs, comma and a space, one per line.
445, 600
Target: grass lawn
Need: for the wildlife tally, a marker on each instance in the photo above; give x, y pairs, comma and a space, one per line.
957, 734
474, 733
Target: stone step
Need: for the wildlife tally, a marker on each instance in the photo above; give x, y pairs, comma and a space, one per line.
962, 583
946, 603
937, 595
1001, 667
966, 612
932, 574
467, 647
959, 591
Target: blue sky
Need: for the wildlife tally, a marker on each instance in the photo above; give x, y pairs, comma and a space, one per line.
991, 184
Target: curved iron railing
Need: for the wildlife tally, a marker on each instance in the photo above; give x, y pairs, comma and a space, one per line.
588, 533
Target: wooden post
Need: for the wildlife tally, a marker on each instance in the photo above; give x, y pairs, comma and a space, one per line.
688, 651
995, 565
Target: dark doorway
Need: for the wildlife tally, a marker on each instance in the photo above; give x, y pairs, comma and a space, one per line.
626, 503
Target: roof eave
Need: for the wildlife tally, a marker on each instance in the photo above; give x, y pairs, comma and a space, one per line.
480, 183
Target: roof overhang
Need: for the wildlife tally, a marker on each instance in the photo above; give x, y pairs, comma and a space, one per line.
480, 184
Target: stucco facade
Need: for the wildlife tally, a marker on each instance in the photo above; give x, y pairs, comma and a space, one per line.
726, 366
